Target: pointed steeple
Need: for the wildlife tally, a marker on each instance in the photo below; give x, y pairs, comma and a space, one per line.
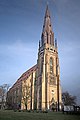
47, 21
47, 13
47, 36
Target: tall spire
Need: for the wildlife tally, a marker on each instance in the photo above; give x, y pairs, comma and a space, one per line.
47, 33
47, 21
47, 13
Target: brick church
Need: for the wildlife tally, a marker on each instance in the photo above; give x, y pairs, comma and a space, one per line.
39, 87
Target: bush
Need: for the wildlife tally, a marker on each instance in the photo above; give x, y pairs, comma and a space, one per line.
15, 110
19, 110
44, 111
28, 110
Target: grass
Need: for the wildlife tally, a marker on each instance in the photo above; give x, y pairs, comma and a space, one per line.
11, 115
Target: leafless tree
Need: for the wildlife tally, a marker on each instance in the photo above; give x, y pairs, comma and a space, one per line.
26, 94
3, 94
68, 99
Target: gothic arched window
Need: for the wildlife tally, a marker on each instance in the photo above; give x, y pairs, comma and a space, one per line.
50, 40
41, 65
47, 37
51, 65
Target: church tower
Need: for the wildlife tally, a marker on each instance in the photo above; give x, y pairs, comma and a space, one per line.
48, 73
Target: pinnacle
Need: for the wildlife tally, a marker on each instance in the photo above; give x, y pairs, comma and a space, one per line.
47, 14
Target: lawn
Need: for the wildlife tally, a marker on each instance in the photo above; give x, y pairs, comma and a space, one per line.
11, 115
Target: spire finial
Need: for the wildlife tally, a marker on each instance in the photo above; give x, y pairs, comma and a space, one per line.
47, 14
47, 3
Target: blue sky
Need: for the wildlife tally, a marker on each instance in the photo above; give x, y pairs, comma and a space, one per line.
21, 24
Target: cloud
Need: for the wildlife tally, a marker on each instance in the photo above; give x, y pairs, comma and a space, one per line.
15, 59
17, 48
17, 55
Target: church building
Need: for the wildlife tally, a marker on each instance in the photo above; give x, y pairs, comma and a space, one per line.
39, 87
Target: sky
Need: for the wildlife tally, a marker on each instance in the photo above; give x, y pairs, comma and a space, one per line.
21, 24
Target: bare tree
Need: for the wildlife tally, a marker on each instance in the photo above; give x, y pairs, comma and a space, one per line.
3, 94
68, 99
26, 94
